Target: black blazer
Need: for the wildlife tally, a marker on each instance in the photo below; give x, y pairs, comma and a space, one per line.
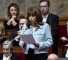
53, 21
11, 26
13, 57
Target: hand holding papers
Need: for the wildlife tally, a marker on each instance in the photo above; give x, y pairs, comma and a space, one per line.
28, 39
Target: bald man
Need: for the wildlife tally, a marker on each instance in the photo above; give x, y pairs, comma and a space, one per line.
52, 57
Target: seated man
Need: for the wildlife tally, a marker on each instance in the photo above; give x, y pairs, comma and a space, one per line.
52, 57
15, 35
7, 51
64, 35
64, 38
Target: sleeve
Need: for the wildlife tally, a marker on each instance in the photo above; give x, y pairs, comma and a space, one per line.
47, 39
17, 57
23, 29
55, 24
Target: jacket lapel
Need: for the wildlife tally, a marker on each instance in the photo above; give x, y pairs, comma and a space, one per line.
48, 19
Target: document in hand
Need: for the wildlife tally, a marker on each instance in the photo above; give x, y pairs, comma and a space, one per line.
28, 39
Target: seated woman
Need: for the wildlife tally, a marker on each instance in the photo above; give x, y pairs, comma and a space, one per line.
12, 22
64, 39
15, 33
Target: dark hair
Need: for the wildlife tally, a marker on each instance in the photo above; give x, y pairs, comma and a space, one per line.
34, 11
21, 16
14, 5
48, 2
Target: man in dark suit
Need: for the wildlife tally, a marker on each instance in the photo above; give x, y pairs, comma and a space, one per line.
52, 20
7, 52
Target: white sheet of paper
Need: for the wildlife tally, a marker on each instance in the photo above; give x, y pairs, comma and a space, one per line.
66, 54
28, 39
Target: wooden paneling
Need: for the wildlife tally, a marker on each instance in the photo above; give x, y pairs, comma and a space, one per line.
63, 20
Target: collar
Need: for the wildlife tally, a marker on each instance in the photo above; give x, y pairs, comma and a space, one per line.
45, 16
8, 57
37, 27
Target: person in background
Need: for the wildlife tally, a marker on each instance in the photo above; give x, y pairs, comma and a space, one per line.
12, 22
15, 34
1, 33
52, 20
64, 33
64, 39
7, 51
41, 33
53, 57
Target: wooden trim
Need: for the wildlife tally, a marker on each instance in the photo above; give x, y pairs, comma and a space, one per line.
63, 20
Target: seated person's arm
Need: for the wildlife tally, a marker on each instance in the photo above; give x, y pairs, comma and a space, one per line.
63, 38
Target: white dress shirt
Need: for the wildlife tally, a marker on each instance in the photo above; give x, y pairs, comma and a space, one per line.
45, 18
6, 58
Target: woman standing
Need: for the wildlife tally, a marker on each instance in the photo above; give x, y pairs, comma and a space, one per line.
40, 32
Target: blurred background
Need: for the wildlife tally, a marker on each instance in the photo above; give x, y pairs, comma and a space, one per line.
59, 7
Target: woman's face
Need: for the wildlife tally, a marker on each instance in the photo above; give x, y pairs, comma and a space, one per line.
32, 19
13, 11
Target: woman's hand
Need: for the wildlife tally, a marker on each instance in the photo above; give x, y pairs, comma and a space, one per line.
36, 44
9, 22
24, 45
14, 23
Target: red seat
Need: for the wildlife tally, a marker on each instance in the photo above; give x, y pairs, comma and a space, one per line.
62, 32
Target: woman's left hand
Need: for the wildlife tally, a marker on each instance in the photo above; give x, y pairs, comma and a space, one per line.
36, 44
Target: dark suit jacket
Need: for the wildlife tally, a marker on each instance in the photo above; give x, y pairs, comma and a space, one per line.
13, 57
53, 21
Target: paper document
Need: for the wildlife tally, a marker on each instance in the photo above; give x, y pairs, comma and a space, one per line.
28, 39
66, 54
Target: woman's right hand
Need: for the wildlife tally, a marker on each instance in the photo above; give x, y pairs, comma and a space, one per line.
9, 22
13, 17
24, 45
